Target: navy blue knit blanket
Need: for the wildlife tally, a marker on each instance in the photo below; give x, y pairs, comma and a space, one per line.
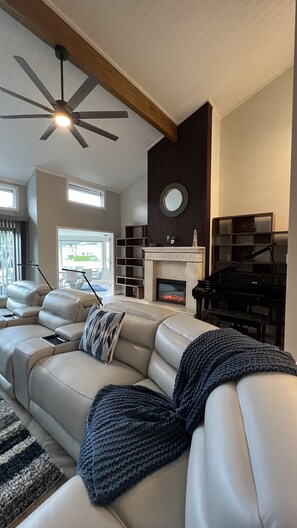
132, 431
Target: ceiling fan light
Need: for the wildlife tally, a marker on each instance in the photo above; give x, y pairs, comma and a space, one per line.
62, 120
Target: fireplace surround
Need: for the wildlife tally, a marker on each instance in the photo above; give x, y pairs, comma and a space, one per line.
173, 263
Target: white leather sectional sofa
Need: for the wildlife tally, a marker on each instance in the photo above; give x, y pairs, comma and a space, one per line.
241, 468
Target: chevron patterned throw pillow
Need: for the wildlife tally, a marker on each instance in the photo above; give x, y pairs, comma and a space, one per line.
101, 333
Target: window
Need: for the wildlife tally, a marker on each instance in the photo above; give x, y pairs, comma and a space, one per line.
84, 195
8, 197
10, 252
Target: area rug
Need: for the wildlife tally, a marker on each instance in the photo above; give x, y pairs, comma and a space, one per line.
26, 470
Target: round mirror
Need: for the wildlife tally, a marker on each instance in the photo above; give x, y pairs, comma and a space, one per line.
173, 199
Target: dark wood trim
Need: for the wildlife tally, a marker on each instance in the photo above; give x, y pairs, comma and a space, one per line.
208, 185
49, 27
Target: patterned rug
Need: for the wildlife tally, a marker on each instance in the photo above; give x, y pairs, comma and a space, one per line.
26, 470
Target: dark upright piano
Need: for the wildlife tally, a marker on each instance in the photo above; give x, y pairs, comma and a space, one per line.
244, 290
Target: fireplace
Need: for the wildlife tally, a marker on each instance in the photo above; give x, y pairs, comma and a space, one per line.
173, 291
173, 263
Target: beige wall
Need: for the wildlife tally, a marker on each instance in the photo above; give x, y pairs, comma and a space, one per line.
134, 204
256, 153
54, 210
33, 233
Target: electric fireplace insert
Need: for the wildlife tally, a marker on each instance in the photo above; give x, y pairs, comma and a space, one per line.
173, 291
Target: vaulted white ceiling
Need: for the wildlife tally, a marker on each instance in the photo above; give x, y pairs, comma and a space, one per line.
179, 52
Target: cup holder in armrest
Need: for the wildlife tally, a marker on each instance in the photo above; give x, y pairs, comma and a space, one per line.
54, 340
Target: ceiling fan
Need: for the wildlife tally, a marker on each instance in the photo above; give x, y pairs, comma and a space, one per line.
62, 112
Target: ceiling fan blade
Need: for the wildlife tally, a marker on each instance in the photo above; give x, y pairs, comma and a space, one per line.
25, 99
100, 115
92, 128
26, 116
78, 136
49, 131
87, 86
35, 80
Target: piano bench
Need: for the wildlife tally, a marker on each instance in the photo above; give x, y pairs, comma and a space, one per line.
241, 319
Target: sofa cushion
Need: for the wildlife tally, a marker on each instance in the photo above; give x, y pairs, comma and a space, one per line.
62, 307
101, 333
25, 293
172, 338
64, 386
4, 312
158, 501
70, 506
138, 332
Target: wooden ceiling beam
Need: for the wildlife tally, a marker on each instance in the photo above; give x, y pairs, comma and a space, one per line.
36, 16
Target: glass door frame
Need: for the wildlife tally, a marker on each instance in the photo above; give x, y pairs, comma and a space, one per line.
93, 231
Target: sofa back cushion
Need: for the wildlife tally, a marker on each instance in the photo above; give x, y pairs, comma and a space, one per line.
65, 306
172, 337
25, 293
101, 333
137, 337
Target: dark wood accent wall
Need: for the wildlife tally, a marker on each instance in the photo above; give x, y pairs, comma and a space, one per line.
188, 161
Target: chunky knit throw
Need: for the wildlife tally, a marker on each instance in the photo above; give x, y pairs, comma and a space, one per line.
131, 431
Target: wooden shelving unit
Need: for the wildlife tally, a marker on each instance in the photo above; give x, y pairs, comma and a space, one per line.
132, 260
235, 237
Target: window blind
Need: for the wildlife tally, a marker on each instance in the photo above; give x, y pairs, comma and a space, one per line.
10, 252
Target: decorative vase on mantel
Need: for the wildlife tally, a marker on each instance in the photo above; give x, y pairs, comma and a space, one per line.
195, 238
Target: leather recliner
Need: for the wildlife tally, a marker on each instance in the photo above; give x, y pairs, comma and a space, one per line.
21, 294
60, 308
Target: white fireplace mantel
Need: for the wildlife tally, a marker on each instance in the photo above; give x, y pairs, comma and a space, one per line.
176, 263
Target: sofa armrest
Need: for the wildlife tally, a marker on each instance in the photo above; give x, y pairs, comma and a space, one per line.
27, 311
26, 354
70, 506
15, 320
71, 332
243, 465
3, 299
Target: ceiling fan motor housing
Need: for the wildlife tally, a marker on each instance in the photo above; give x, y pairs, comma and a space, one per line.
61, 52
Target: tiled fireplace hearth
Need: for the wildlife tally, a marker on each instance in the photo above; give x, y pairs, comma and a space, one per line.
173, 263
